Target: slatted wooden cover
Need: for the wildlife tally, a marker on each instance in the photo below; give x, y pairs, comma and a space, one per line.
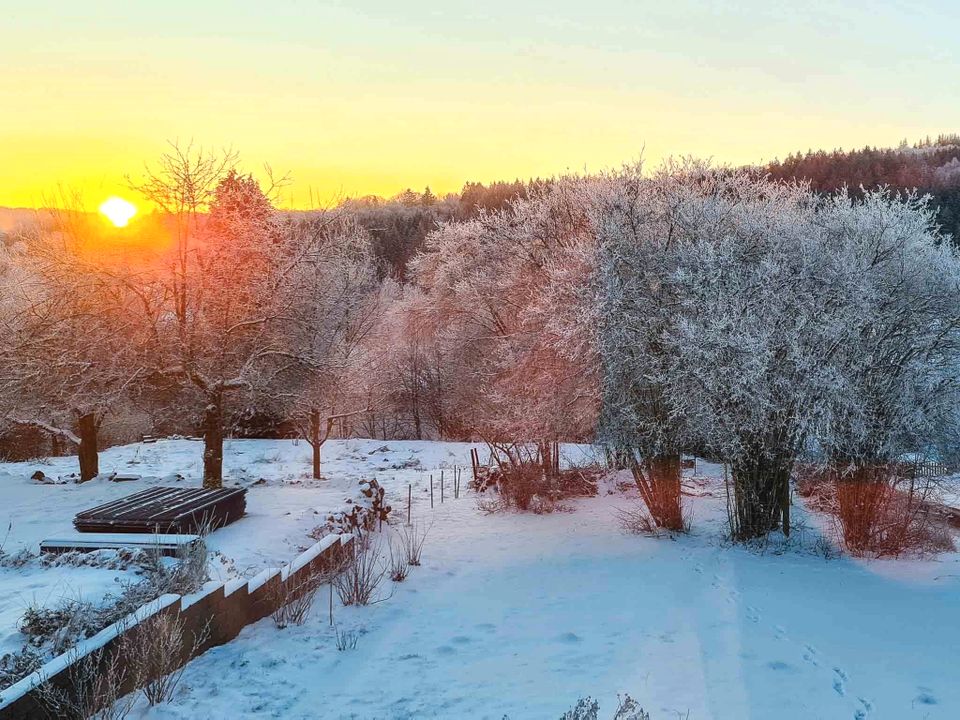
165, 510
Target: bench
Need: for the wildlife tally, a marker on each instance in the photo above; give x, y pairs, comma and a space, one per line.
164, 544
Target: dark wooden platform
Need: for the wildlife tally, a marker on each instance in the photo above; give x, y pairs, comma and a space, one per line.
165, 510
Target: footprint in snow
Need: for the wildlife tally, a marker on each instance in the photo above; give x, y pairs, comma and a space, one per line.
839, 680
569, 637
926, 697
446, 650
862, 712
779, 665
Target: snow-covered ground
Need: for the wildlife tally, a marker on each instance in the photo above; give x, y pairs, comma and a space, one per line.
520, 615
283, 505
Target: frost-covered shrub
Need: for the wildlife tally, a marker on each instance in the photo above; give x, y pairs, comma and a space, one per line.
94, 689
54, 630
362, 574
629, 709
293, 600
363, 512
519, 484
412, 538
399, 567
61, 626
879, 511
526, 487
184, 575
346, 639
120, 559
586, 709
17, 559
154, 651
17, 665
589, 709
883, 515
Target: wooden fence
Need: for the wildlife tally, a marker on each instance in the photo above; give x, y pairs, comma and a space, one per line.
929, 469
216, 614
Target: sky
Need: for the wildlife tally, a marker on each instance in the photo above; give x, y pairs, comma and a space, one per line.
371, 97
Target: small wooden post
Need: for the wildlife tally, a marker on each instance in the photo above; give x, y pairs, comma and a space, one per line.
441, 487
474, 463
409, 500
431, 491
331, 602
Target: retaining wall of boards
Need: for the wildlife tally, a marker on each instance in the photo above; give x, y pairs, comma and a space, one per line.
216, 615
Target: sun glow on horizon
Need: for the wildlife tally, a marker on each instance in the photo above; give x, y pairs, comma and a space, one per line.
118, 211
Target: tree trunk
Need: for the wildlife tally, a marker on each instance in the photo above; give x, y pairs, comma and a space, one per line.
213, 444
785, 508
418, 431
87, 452
315, 442
659, 483
760, 484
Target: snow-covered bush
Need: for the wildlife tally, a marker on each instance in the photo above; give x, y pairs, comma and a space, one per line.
154, 651
293, 601
589, 709
95, 688
362, 574
16, 559
365, 511
346, 639
17, 665
412, 539
54, 630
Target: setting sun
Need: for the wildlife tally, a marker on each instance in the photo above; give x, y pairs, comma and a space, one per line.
118, 211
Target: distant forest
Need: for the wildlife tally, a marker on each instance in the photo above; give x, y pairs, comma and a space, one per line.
931, 166
399, 225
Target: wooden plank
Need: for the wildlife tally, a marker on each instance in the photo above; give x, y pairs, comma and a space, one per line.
165, 544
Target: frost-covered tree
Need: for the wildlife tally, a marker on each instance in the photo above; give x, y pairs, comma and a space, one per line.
501, 296
758, 322
639, 288
901, 362
67, 352
242, 302
752, 319
335, 309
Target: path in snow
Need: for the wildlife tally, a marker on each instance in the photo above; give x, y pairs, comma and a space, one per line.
520, 615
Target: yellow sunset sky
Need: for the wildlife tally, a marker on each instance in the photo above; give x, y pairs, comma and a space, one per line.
356, 98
